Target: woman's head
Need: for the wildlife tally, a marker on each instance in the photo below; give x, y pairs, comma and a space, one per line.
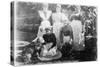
69, 10
45, 6
58, 8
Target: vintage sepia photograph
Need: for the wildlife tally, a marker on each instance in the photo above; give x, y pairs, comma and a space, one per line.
46, 33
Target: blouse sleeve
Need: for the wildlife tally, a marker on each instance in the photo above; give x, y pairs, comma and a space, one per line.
49, 14
41, 14
64, 19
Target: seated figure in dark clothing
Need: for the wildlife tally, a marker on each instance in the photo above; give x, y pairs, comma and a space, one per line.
49, 45
49, 37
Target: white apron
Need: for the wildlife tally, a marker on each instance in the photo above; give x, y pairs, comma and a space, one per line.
77, 31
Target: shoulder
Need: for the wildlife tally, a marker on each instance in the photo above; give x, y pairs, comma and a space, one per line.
64, 17
40, 11
49, 11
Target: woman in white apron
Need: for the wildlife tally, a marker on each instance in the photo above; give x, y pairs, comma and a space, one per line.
45, 15
78, 36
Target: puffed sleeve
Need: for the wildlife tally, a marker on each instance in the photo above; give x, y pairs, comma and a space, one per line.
64, 19
49, 14
41, 14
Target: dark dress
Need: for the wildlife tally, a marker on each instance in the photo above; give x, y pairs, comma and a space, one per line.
66, 31
50, 38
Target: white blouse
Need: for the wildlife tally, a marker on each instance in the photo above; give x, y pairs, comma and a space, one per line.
43, 16
59, 17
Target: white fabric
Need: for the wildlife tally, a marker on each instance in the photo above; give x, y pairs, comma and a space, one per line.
53, 51
77, 31
59, 19
45, 22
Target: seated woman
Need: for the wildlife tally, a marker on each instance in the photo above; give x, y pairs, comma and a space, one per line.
49, 42
49, 37
49, 49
